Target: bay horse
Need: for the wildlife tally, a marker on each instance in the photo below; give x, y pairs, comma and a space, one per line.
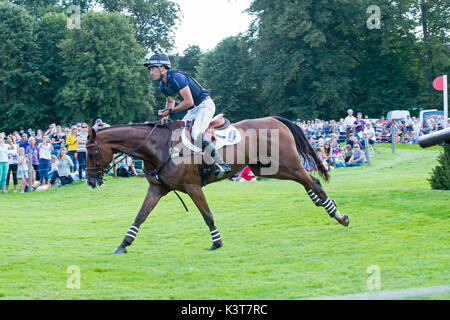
152, 142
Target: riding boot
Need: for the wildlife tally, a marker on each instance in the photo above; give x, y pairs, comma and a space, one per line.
221, 166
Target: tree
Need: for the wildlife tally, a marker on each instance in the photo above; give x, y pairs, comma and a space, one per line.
189, 61
228, 73
155, 20
301, 50
105, 74
50, 31
19, 75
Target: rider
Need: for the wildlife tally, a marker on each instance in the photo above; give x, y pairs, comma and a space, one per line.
195, 98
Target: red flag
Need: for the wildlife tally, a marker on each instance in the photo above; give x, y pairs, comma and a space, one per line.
438, 83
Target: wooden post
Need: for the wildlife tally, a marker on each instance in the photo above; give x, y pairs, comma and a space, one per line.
366, 149
393, 133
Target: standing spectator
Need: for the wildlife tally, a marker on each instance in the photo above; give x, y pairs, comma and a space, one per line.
4, 163
56, 139
358, 126
38, 137
348, 123
13, 153
81, 150
22, 169
45, 156
33, 149
23, 140
72, 146
63, 165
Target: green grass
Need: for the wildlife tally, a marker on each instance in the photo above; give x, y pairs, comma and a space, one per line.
277, 244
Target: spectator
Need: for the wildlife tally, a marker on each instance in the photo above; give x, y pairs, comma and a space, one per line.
358, 126
99, 124
358, 157
39, 137
33, 149
13, 153
23, 140
126, 167
63, 164
329, 154
81, 150
22, 169
245, 174
347, 153
348, 123
4, 163
72, 146
368, 132
56, 140
45, 156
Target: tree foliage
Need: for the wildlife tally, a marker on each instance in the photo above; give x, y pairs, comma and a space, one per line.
105, 77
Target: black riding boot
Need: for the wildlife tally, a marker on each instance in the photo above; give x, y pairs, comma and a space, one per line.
221, 166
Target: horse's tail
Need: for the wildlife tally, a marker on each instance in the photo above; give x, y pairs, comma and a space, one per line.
304, 148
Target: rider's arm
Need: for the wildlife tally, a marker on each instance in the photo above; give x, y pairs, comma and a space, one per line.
187, 102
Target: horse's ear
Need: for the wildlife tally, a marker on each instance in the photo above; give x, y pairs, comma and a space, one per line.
91, 136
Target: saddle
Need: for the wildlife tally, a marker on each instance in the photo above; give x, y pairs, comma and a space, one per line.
219, 122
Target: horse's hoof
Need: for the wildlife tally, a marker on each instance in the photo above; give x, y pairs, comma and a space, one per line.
120, 250
216, 245
345, 220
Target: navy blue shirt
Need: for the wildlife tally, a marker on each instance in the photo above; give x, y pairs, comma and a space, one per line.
177, 80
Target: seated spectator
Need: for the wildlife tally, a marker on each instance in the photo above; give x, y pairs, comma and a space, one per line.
126, 167
347, 153
339, 161
358, 157
63, 164
368, 132
99, 124
329, 154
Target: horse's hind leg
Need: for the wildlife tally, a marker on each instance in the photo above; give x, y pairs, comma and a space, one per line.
198, 197
320, 198
316, 193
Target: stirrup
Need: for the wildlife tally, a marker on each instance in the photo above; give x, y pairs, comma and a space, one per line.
221, 169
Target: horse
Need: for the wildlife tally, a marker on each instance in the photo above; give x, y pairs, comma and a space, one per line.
153, 143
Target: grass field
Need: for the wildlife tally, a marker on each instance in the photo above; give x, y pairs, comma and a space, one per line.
277, 244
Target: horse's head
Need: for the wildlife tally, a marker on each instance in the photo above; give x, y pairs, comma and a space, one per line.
97, 160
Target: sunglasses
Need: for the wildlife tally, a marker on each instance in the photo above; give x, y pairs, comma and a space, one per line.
84, 127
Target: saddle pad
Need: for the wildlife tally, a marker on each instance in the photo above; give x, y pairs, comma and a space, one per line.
225, 137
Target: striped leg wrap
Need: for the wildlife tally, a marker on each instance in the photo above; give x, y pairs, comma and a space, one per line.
132, 232
330, 206
215, 235
314, 197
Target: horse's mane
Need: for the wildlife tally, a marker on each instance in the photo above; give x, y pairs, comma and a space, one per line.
148, 124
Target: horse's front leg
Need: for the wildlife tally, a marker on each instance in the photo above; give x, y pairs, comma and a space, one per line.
198, 197
154, 193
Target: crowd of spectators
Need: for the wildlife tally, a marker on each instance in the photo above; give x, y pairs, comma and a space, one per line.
56, 156
343, 143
